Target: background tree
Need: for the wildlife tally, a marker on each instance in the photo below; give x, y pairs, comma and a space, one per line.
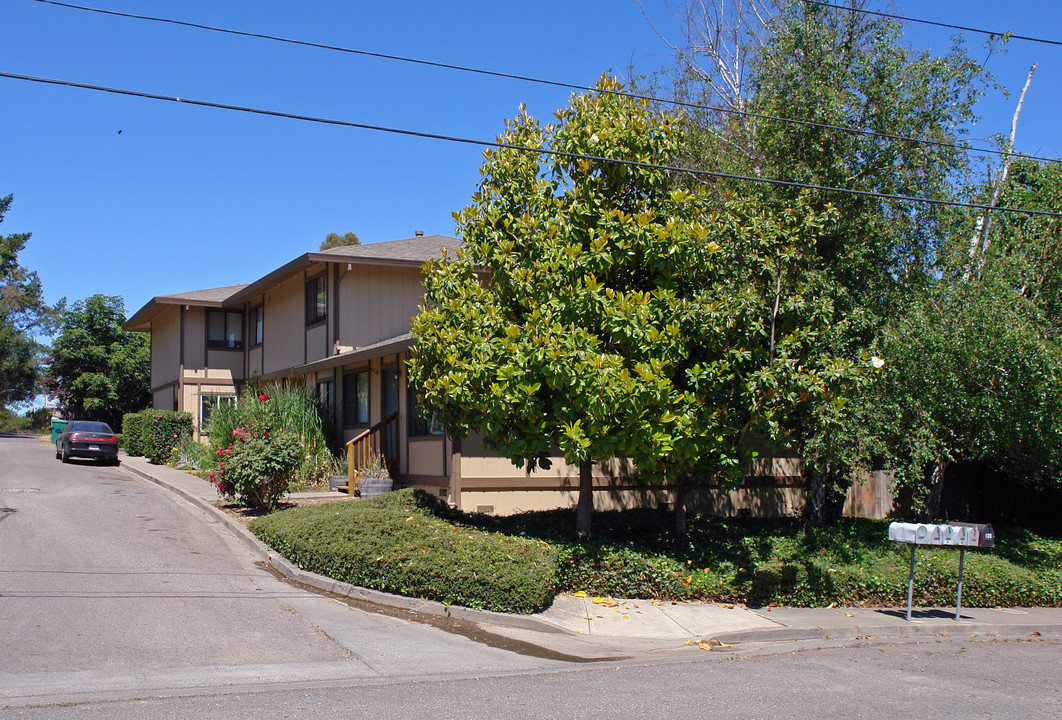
98, 370
335, 240
23, 316
602, 309
833, 71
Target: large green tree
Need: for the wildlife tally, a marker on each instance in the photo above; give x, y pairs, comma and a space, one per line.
98, 370
826, 96
600, 307
23, 317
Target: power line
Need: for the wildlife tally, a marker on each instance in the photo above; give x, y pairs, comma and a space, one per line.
550, 83
510, 146
934, 22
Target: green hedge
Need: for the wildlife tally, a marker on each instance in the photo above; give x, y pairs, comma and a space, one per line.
133, 434
401, 542
163, 430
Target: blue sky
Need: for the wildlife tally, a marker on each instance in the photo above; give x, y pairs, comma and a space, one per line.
186, 197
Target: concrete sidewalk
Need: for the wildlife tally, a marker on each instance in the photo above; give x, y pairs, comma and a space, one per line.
588, 628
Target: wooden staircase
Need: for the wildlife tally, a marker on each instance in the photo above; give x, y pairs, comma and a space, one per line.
378, 443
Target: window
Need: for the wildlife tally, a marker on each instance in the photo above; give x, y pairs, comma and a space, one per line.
257, 325
224, 329
326, 395
316, 299
418, 424
207, 404
356, 398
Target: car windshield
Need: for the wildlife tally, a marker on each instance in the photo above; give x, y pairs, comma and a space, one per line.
92, 427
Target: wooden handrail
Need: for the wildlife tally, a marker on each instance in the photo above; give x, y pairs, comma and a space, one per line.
379, 441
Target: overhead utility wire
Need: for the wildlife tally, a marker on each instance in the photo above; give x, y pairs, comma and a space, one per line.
510, 146
541, 81
933, 22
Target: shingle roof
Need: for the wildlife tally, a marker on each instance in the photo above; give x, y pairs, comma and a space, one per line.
211, 297
415, 249
218, 295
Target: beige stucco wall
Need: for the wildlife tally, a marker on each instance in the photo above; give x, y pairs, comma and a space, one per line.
758, 502
225, 364
377, 303
426, 456
285, 325
166, 346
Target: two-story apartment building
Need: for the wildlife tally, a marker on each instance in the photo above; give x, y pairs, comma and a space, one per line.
338, 322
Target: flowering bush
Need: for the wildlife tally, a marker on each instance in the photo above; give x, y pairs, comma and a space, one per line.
256, 467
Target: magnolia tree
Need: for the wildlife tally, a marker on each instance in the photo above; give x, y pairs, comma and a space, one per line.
602, 306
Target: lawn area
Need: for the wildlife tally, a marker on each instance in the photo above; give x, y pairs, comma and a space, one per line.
408, 542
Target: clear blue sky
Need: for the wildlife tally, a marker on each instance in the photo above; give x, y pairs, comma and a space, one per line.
185, 198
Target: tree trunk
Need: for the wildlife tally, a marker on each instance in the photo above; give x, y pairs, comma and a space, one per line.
681, 493
586, 498
815, 503
936, 488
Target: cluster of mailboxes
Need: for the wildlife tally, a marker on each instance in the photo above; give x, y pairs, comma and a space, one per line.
950, 535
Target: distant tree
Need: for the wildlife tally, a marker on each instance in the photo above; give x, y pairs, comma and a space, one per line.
98, 370
602, 309
335, 240
23, 316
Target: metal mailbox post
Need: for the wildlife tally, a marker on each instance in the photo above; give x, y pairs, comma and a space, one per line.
960, 535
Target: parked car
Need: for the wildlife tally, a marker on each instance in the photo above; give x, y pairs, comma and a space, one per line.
82, 438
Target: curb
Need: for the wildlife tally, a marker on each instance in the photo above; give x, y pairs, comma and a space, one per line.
335, 587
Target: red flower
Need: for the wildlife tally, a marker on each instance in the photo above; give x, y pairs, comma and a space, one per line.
263, 397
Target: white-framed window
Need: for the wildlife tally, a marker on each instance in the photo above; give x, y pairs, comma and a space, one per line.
207, 404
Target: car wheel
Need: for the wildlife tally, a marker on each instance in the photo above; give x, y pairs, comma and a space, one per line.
57, 451
65, 457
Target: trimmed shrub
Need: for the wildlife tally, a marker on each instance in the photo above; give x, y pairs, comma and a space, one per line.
402, 543
133, 434
256, 467
162, 431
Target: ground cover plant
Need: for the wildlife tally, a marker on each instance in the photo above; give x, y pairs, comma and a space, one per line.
410, 543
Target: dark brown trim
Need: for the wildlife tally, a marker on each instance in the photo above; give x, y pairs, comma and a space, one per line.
436, 481
180, 365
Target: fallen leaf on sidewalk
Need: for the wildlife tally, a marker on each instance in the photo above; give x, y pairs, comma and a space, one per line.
709, 644
848, 614
654, 602
607, 602
581, 593
831, 606
1034, 634
582, 632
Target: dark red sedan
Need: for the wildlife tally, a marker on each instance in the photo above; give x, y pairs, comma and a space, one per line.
83, 438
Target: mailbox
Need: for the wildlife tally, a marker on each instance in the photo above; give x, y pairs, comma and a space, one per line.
960, 535
950, 535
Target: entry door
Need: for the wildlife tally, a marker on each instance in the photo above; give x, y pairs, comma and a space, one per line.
389, 405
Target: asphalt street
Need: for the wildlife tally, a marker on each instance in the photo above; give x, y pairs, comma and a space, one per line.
119, 599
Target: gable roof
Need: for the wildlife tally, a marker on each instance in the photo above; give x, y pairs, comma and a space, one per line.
415, 249
407, 252
211, 297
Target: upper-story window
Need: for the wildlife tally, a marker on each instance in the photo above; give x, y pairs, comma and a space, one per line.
257, 325
316, 299
225, 329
